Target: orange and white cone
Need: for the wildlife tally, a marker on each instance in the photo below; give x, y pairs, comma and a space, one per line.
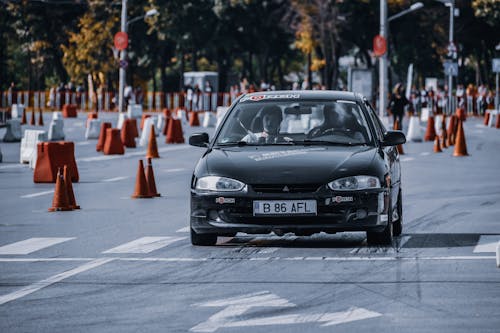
437, 145
69, 186
460, 145
141, 186
152, 151
150, 178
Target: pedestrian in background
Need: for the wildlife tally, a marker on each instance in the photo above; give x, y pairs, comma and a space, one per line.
397, 104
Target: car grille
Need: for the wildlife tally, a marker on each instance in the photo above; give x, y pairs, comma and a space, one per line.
285, 188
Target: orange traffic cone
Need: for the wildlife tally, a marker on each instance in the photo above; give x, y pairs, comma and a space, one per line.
437, 145
193, 119
23, 119
451, 130
127, 134
152, 151
141, 186
32, 119
460, 145
486, 118
497, 124
90, 116
397, 127
40, 117
150, 178
102, 136
430, 133
60, 200
165, 128
135, 131
443, 132
69, 187
143, 119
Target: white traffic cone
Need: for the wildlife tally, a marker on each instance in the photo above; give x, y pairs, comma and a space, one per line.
414, 131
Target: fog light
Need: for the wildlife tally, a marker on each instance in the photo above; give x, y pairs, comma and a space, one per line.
213, 214
361, 214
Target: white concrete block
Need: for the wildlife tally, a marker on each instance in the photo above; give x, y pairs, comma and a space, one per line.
93, 129
146, 129
13, 131
17, 111
29, 142
121, 119
57, 115
56, 130
209, 119
414, 130
134, 111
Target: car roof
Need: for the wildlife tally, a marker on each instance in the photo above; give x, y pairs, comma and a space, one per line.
303, 94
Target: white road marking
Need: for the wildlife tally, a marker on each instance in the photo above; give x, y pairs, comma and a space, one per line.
51, 280
425, 153
44, 259
13, 166
83, 143
487, 243
407, 159
173, 170
130, 154
238, 306
185, 229
268, 250
114, 179
31, 245
144, 245
78, 123
329, 319
36, 194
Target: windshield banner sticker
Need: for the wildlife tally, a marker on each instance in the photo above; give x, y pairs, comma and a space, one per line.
256, 98
280, 154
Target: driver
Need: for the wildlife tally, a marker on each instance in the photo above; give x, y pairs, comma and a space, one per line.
271, 116
331, 120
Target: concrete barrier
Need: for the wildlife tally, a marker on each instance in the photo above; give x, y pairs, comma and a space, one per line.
50, 157
17, 111
57, 115
221, 111
29, 142
56, 130
493, 117
424, 114
122, 116
209, 119
13, 131
414, 130
134, 111
143, 141
160, 123
93, 129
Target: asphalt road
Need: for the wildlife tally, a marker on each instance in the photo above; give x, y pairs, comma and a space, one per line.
124, 265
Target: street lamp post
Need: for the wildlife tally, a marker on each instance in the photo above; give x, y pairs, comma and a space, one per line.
123, 53
123, 56
383, 60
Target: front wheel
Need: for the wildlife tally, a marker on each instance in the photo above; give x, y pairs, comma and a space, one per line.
383, 237
203, 239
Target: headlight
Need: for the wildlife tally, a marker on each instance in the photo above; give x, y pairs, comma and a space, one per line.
219, 184
354, 183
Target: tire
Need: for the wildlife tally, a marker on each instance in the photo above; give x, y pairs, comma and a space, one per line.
203, 239
383, 237
398, 225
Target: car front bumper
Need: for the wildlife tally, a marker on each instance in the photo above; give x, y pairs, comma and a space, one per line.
229, 213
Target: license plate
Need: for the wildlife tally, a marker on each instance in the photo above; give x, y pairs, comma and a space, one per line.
284, 207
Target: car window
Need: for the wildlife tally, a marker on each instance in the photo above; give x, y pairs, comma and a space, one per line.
295, 122
379, 127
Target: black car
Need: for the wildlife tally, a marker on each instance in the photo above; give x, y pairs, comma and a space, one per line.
301, 162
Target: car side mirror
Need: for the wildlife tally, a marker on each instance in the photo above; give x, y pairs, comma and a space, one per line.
199, 140
393, 138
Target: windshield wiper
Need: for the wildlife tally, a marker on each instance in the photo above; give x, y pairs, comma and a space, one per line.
326, 142
235, 143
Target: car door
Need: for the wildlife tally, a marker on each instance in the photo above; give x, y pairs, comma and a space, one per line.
391, 155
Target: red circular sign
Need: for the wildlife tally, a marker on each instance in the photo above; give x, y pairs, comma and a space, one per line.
379, 46
121, 40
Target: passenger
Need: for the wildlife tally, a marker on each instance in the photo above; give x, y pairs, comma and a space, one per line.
265, 126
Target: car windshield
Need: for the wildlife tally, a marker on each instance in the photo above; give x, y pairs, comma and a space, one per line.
304, 122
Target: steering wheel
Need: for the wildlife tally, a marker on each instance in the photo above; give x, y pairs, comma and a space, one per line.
317, 132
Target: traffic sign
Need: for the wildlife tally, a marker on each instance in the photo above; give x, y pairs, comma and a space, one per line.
496, 65
450, 68
123, 63
379, 46
121, 40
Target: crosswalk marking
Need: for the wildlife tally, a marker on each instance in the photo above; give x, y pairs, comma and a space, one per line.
31, 245
144, 245
487, 244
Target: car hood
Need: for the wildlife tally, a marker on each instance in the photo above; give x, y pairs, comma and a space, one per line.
290, 165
